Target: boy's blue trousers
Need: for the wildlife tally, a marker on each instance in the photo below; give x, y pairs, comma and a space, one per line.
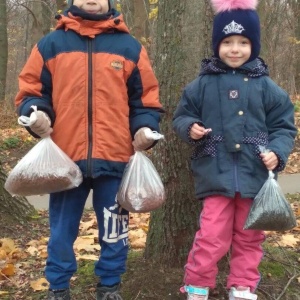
65, 211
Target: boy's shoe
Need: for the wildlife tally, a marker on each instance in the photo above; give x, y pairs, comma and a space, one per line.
59, 294
241, 293
108, 292
196, 292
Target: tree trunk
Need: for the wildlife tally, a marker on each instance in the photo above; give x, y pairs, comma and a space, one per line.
278, 21
136, 17
182, 40
4, 48
297, 48
39, 22
61, 5
140, 27
12, 209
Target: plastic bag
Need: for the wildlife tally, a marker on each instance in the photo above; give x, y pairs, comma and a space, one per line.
270, 209
141, 188
44, 169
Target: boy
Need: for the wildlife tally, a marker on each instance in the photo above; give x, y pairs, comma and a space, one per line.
95, 92
230, 110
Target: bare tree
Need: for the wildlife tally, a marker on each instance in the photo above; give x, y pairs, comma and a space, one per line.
61, 5
136, 14
183, 39
12, 209
4, 48
295, 5
278, 23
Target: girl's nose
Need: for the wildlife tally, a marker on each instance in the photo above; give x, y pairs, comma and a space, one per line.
234, 47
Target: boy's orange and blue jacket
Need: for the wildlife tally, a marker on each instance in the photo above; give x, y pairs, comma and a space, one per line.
96, 83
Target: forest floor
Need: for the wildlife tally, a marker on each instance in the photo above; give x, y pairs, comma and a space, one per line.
23, 250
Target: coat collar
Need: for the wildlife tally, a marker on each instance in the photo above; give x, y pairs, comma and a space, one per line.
108, 23
254, 68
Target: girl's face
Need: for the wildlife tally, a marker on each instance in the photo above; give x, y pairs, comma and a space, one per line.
92, 6
235, 50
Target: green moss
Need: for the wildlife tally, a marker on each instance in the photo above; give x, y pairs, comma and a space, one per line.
292, 197
297, 106
11, 143
274, 268
85, 274
85, 268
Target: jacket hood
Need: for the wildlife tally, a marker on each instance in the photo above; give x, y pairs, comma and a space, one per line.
87, 27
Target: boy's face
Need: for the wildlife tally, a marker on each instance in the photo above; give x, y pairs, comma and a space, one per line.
92, 6
235, 50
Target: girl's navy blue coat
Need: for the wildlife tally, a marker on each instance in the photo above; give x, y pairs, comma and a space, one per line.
245, 109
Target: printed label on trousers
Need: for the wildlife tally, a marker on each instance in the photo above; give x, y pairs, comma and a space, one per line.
115, 227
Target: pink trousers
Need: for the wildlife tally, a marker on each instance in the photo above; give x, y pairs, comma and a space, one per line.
221, 228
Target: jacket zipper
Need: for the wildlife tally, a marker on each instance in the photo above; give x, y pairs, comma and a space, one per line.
236, 179
90, 108
235, 163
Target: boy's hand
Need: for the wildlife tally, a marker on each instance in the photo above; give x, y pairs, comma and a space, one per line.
40, 123
270, 160
197, 132
142, 141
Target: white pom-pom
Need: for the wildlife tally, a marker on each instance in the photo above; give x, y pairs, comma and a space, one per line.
227, 5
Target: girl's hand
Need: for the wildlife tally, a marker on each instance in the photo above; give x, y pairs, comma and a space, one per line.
197, 132
270, 160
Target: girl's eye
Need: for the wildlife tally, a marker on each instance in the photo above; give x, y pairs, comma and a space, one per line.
245, 42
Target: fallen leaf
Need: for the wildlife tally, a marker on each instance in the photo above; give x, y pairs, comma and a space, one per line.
7, 245
288, 240
3, 293
87, 257
40, 284
8, 270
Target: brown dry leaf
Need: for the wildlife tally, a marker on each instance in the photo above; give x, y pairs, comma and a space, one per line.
297, 209
8, 270
87, 248
136, 234
2, 264
145, 227
40, 285
33, 243
87, 243
84, 226
3, 293
16, 255
2, 254
139, 243
87, 257
7, 245
32, 250
42, 251
288, 240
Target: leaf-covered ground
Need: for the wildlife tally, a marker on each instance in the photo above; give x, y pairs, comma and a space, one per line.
23, 251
